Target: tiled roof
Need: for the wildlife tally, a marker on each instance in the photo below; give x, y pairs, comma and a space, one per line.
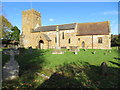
53, 27
96, 28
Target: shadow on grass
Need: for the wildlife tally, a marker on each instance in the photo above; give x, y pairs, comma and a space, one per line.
117, 58
29, 63
114, 63
82, 75
58, 80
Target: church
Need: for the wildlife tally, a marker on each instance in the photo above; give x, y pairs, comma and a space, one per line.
93, 35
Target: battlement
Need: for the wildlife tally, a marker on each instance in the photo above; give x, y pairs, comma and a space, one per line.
30, 18
29, 11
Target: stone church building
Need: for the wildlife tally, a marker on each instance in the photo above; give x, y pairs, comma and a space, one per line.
94, 35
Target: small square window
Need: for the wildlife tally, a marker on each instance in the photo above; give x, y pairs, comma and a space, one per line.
99, 39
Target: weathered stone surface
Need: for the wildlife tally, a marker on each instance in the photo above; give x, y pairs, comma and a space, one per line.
10, 70
57, 51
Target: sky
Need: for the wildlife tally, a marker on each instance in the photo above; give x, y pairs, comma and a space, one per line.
54, 13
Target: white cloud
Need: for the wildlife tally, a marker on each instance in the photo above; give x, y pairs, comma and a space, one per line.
110, 13
51, 19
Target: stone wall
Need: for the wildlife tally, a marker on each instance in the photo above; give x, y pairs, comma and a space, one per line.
88, 39
31, 18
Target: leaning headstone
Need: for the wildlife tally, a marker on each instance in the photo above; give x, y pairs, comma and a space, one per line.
93, 52
104, 68
11, 68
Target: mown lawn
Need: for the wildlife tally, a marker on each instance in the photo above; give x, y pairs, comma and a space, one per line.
82, 56
65, 70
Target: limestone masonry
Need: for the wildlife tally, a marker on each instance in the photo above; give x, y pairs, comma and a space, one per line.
95, 35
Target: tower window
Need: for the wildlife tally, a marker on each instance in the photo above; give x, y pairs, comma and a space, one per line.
62, 35
99, 39
69, 40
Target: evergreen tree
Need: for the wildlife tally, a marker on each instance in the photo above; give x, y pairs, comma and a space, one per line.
15, 34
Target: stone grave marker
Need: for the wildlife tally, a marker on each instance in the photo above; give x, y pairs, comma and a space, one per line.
93, 52
57, 49
104, 68
11, 68
30, 50
74, 49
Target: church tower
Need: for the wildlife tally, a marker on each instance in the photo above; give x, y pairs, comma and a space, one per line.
30, 20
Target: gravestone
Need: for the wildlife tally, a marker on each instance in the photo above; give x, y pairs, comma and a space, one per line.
93, 52
104, 68
74, 49
109, 51
30, 50
75, 52
11, 68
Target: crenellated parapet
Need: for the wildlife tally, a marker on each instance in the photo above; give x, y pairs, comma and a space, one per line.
29, 11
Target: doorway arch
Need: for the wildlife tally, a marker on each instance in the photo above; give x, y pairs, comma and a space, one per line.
83, 44
41, 43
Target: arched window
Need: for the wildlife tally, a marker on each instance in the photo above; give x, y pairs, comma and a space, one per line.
62, 35
69, 40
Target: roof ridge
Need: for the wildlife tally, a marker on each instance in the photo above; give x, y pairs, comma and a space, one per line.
58, 25
93, 22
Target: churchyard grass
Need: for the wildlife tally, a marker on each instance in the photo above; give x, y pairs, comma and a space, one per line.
42, 61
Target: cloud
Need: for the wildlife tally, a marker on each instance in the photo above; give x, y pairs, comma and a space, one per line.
51, 19
110, 13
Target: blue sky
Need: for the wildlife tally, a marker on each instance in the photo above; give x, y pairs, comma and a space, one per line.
64, 12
